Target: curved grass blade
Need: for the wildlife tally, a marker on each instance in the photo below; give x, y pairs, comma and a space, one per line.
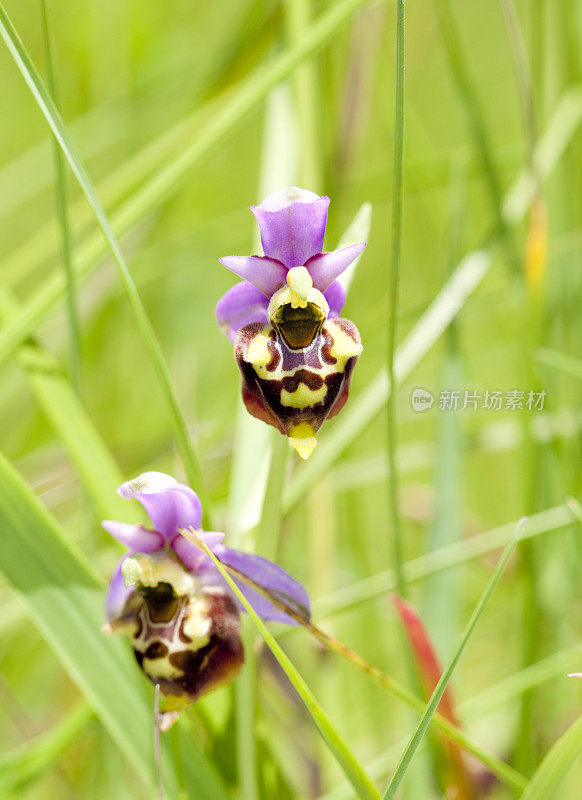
457, 777
503, 771
551, 772
393, 282
71, 423
444, 679
52, 116
63, 215
338, 747
64, 597
559, 517
238, 103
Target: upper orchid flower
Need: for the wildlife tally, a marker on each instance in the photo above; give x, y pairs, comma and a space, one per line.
296, 357
169, 598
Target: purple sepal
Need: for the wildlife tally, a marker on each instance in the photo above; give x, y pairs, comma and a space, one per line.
240, 306
271, 577
134, 537
335, 295
192, 556
292, 223
170, 504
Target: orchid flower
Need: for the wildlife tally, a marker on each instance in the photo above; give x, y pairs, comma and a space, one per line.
168, 597
295, 354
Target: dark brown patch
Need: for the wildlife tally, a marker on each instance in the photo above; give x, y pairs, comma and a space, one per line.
311, 379
272, 347
156, 650
326, 349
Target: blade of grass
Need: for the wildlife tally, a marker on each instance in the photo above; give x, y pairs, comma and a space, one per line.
450, 729
52, 116
445, 558
452, 770
362, 785
548, 777
253, 491
19, 767
71, 423
241, 100
557, 360
393, 282
62, 193
448, 303
460, 69
65, 598
441, 686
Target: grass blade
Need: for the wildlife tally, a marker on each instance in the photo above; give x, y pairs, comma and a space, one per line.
448, 303
338, 747
441, 686
64, 597
52, 116
239, 103
62, 193
551, 772
393, 281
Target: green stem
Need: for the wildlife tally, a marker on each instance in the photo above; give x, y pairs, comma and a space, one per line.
439, 690
476, 119
62, 197
52, 116
393, 293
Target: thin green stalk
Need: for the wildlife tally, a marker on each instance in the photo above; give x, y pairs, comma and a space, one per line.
505, 773
439, 690
52, 116
394, 275
338, 747
460, 69
62, 196
297, 18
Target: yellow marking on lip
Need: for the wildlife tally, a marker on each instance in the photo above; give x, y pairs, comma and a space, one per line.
160, 668
303, 396
258, 353
343, 347
302, 439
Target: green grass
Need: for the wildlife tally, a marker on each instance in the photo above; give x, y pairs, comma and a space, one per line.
171, 121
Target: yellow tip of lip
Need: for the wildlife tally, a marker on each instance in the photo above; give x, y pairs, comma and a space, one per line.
304, 447
303, 440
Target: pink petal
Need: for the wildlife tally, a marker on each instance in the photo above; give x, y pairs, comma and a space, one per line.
326, 267
266, 274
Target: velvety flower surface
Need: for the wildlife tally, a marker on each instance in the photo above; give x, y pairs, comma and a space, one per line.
295, 354
168, 597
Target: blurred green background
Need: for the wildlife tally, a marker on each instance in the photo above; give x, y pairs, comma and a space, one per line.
139, 82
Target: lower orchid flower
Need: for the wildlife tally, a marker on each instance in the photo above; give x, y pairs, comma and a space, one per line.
167, 596
296, 355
